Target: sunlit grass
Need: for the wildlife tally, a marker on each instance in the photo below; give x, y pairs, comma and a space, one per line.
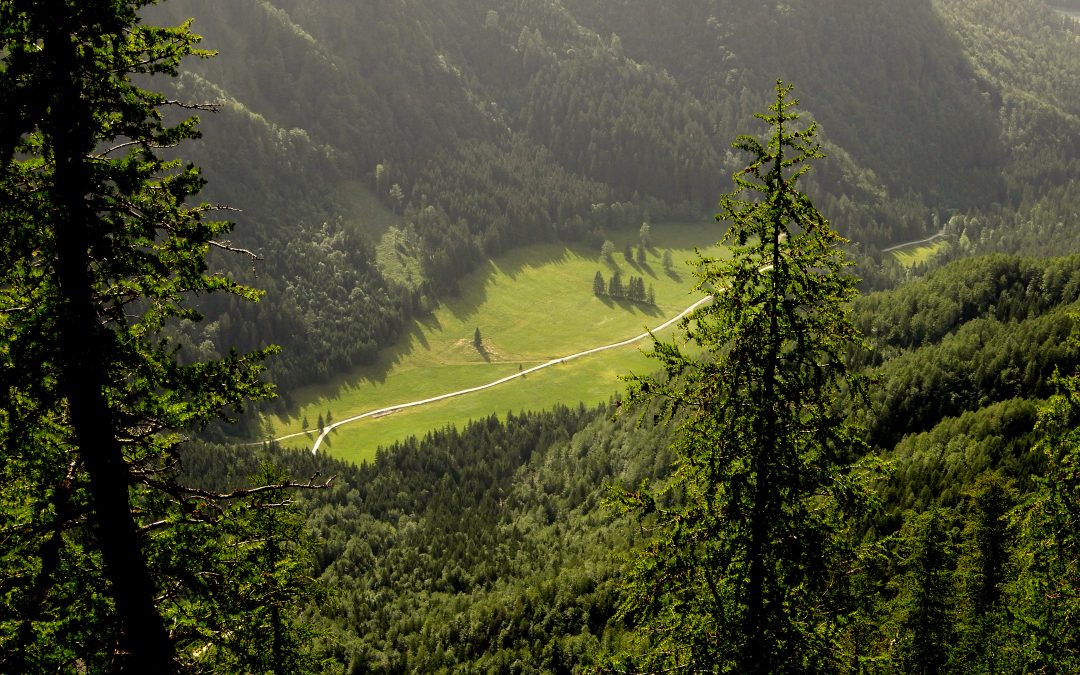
531, 305
591, 380
920, 254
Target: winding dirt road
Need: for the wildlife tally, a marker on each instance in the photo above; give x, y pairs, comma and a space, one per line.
522, 373
554, 362
917, 241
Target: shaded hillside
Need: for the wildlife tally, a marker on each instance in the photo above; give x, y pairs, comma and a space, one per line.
455, 130
889, 82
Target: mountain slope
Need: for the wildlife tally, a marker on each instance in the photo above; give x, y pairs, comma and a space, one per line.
483, 124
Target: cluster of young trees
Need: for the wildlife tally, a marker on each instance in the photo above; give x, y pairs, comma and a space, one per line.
633, 290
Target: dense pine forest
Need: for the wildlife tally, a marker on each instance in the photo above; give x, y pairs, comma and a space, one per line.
839, 464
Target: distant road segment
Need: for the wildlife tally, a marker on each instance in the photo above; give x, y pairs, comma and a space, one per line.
917, 241
554, 362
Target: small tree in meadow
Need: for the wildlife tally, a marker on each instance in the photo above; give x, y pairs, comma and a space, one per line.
669, 264
607, 251
598, 286
645, 235
615, 288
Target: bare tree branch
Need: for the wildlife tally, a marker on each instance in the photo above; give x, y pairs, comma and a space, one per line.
228, 246
181, 491
158, 524
121, 146
203, 208
207, 107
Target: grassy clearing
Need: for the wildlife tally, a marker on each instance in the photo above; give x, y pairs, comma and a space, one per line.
593, 379
531, 306
365, 212
920, 254
396, 256
1065, 11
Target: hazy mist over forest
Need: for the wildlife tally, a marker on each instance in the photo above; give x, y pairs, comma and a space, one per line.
855, 454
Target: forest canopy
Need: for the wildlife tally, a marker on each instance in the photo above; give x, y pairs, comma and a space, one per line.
909, 508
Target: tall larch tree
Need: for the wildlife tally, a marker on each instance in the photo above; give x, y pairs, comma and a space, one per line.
104, 550
750, 550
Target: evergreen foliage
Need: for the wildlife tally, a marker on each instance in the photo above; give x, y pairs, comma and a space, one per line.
743, 572
110, 562
1047, 593
599, 286
633, 290
615, 286
926, 597
607, 251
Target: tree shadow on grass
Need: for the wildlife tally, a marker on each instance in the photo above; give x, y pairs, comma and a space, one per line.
482, 351
629, 305
466, 302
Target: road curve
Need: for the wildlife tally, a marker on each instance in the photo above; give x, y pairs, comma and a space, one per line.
522, 373
554, 362
917, 241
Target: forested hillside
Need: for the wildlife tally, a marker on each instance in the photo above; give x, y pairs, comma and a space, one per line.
494, 547
379, 151
823, 473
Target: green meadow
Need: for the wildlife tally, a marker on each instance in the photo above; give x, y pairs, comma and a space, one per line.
916, 254
1066, 11
532, 305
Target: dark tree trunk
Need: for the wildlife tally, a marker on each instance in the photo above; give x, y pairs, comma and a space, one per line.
758, 658
145, 646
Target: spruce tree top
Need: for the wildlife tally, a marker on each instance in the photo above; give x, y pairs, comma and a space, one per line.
751, 528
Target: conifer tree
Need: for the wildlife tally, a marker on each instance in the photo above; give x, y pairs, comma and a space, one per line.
1046, 595
927, 596
104, 549
615, 286
599, 287
645, 235
986, 569
607, 251
745, 570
